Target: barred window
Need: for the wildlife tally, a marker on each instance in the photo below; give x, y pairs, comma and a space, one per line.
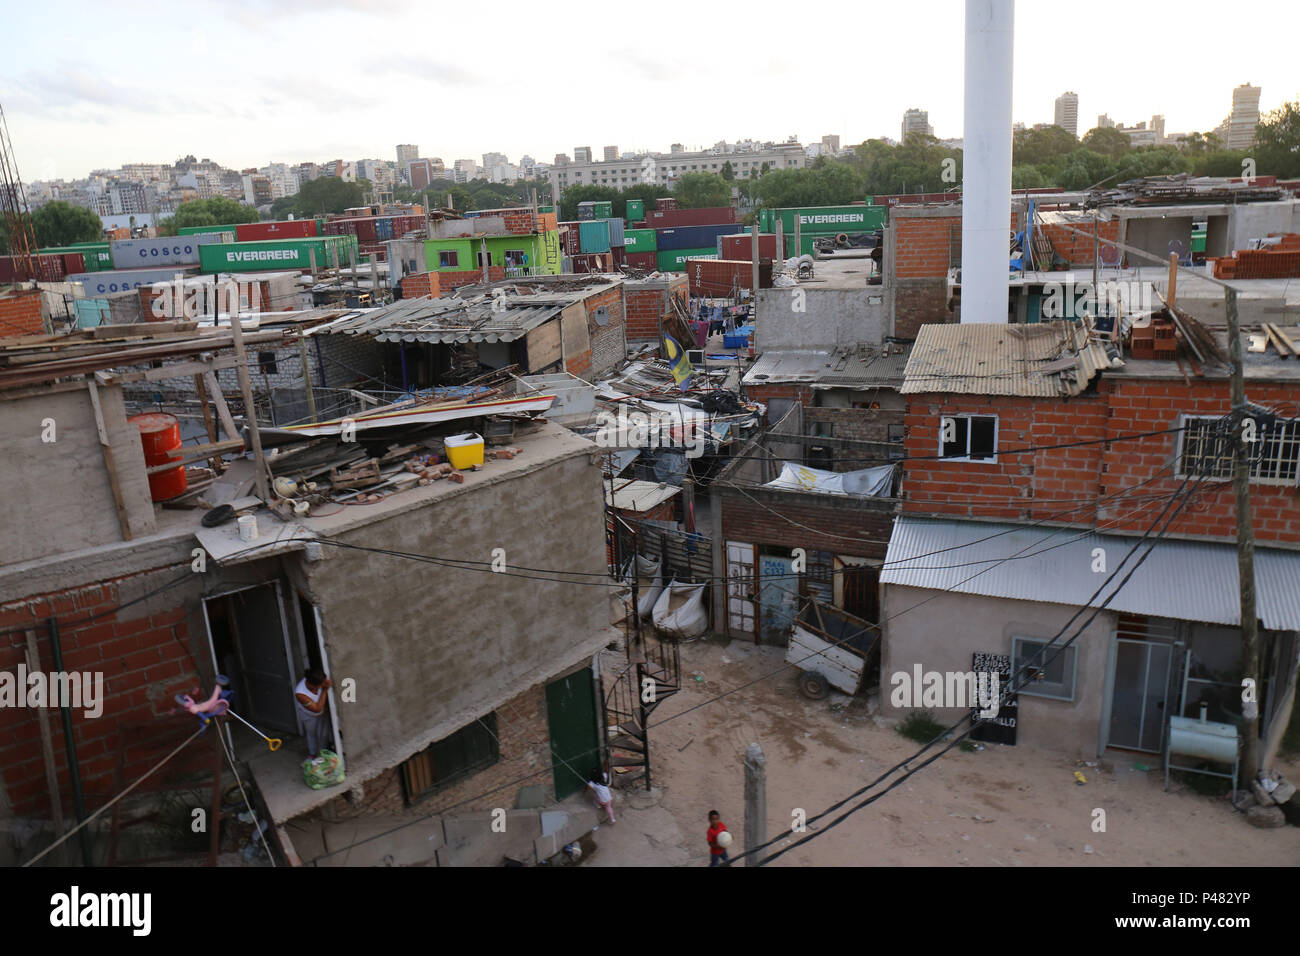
1207, 446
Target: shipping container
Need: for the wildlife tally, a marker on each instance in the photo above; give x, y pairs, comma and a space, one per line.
197, 230
362, 228
739, 245
591, 262
726, 277
710, 216
284, 229
49, 267
384, 228
594, 236
96, 256
586, 210
163, 251
825, 220
635, 210
279, 254
571, 238
666, 203
124, 280
674, 260
639, 240
692, 237
645, 261
603, 209
617, 234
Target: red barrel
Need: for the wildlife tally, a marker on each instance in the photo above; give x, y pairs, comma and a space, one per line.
160, 435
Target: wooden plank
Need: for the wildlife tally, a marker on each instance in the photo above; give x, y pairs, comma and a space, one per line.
170, 371
219, 400
134, 329
841, 667
1280, 335
109, 464
1273, 337
47, 743
192, 453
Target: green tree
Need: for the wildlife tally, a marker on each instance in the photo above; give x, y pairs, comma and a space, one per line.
1151, 161
1277, 142
1219, 162
728, 171
1028, 177
1034, 146
832, 184
1107, 142
575, 194
60, 223
1084, 168
330, 194
213, 211
700, 190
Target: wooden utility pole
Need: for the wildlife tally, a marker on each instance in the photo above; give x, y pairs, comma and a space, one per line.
1245, 539
246, 390
306, 375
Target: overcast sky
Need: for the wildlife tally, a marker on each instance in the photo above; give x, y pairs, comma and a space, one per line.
248, 82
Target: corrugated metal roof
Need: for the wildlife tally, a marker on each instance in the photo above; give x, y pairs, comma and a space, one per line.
857, 367
449, 319
1040, 360
1184, 580
639, 495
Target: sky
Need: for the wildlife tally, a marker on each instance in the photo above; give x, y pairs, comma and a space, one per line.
249, 82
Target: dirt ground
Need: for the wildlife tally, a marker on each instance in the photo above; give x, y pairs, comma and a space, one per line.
1002, 806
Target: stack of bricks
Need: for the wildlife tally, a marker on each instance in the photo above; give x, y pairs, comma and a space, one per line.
20, 314
1280, 261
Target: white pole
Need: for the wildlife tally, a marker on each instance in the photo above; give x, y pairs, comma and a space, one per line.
986, 173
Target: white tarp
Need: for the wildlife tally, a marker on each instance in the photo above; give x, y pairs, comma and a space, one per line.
650, 585
680, 610
868, 482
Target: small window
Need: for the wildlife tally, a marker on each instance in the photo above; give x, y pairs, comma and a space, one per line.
895, 432
969, 437
1204, 446
452, 759
1047, 671
448, 260
266, 363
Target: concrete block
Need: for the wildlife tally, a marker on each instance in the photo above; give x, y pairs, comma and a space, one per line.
471, 840
553, 821
413, 845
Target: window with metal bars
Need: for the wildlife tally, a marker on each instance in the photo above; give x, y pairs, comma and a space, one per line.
452, 759
1206, 445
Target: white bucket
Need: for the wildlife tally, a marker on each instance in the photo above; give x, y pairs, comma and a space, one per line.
248, 527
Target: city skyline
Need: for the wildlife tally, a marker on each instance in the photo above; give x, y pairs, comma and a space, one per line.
102, 111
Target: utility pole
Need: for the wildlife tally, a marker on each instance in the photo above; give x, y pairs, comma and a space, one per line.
246, 390
755, 800
1245, 539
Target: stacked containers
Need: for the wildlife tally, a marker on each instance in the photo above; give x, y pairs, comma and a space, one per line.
639, 240
674, 260
692, 237
572, 238
646, 261
666, 203
617, 237
594, 236
671, 218
49, 267
161, 436
277, 255
124, 280
163, 251
586, 210
197, 230
95, 255
285, 229
739, 246
635, 210
603, 209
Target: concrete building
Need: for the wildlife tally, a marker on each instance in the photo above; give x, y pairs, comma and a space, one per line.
494, 159
611, 153
582, 154
405, 153
465, 170
1168, 642
1067, 113
1244, 117
666, 168
916, 121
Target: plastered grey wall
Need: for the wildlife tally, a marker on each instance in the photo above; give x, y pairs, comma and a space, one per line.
942, 634
432, 647
830, 317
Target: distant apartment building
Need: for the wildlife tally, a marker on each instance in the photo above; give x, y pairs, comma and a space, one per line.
1144, 135
527, 167
494, 159
1244, 117
582, 154
122, 198
916, 121
144, 172
1067, 112
257, 188
831, 143
465, 170
282, 179
502, 173
405, 153
1105, 122
611, 153
666, 168
419, 173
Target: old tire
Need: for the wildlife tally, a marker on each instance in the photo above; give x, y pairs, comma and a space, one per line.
813, 686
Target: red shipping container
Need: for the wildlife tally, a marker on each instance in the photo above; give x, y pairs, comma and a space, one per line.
286, 229
725, 277
671, 218
572, 242
666, 203
362, 228
738, 246
51, 267
645, 261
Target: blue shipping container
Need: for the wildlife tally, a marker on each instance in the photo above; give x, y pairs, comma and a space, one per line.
692, 237
124, 280
615, 232
594, 236
384, 229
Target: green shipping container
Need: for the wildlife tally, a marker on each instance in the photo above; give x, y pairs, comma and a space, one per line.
603, 210
276, 255
199, 230
824, 220
639, 240
674, 260
636, 213
96, 254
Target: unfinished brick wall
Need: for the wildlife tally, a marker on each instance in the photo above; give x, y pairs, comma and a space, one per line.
524, 733
20, 314
926, 247
919, 302
649, 303
853, 424
1076, 249
608, 341
1051, 483
145, 659
806, 520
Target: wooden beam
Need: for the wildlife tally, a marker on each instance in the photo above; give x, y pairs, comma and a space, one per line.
250, 413
1273, 337
189, 453
47, 741
170, 371
109, 464
1286, 339
133, 329
1173, 277
219, 400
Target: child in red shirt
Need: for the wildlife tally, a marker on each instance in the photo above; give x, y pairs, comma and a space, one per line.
717, 854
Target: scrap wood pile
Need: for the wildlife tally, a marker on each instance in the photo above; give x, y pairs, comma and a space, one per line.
1185, 188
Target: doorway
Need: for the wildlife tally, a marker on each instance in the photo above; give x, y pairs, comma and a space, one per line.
574, 731
249, 638
857, 586
1141, 690
740, 589
778, 593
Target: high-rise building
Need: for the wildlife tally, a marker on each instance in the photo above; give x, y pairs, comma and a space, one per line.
1105, 122
405, 153
494, 159
916, 121
466, 169
419, 173
1244, 118
1067, 112
611, 153
831, 143
527, 167
582, 154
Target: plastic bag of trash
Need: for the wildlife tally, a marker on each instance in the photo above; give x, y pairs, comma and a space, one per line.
325, 771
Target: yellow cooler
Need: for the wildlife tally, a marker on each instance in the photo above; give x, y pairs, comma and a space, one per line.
464, 451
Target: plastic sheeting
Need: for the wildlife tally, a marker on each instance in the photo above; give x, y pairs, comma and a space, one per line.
650, 584
680, 611
867, 482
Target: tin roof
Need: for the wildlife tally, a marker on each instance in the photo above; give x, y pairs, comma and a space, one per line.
639, 496
848, 367
449, 319
1041, 360
1184, 580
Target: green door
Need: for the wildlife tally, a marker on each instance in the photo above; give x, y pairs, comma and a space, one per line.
575, 731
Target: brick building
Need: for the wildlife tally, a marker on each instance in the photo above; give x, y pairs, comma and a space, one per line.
1017, 537
20, 313
649, 304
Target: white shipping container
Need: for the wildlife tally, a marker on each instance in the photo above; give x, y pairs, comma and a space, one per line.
163, 251
102, 283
